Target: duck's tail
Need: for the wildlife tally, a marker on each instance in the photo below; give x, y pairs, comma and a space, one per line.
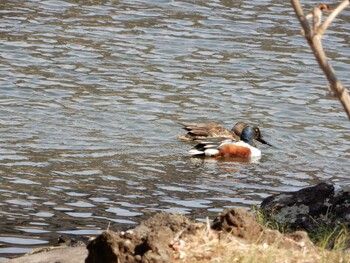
207, 152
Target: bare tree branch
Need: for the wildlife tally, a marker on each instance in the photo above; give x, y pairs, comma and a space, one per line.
302, 19
313, 37
330, 18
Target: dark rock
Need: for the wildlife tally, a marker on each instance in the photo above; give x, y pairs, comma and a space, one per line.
341, 204
308, 207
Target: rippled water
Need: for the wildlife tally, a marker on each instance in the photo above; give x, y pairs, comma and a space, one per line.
92, 93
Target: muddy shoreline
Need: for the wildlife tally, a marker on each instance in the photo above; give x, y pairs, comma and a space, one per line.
168, 237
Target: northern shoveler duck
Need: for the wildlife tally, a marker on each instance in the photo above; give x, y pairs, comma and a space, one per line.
244, 148
202, 132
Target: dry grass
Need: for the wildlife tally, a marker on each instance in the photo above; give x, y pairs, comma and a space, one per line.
211, 246
327, 233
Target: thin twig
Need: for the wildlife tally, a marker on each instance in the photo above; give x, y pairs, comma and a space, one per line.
302, 19
313, 37
330, 18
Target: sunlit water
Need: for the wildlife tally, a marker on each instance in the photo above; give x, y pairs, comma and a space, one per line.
92, 93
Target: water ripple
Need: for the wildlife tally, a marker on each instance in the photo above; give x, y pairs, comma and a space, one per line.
93, 93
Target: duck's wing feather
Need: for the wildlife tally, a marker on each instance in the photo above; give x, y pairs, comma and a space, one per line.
213, 143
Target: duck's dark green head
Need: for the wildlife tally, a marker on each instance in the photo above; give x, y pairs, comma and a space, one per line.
251, 133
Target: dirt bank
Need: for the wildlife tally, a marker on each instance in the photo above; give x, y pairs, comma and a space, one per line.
234, 236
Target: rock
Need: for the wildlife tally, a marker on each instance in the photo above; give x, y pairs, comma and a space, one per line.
309, 207
75, 254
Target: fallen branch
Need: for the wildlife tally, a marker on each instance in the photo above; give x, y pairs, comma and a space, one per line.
313, 36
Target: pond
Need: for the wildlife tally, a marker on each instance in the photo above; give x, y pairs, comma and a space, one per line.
93, 94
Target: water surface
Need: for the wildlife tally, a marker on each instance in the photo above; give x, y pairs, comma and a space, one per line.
92, 93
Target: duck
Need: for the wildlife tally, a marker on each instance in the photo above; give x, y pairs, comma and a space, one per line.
244, 148
198, 132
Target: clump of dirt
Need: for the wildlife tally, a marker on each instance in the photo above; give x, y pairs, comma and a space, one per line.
238, 222
242, 224
148, 242
169, 238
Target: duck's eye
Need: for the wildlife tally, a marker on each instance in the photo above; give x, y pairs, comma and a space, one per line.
257, 130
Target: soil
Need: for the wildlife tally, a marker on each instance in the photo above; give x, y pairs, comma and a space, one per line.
173, 238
